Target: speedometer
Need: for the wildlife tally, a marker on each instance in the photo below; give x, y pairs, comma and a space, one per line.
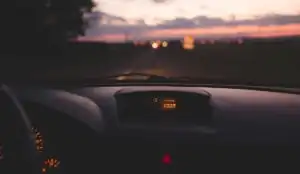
39, 142
50, 164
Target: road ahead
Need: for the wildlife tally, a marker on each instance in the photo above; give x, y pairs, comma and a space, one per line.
148, 61
248, 64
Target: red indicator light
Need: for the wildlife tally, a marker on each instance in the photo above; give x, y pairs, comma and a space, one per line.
166, 159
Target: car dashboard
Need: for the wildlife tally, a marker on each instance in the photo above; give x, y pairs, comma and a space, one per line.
162, 129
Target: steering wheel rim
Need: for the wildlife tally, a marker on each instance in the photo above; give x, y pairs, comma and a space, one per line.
19, 153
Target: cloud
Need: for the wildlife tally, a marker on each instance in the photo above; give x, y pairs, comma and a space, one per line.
202, 7
178, 22
198, 21
160, 1
103, 23
106, 24
104, 18
204, 21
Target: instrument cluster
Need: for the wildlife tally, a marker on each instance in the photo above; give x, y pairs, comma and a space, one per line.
50, 164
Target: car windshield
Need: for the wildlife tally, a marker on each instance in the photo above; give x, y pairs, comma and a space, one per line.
225, 41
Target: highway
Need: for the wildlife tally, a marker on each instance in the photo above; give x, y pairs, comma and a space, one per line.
149, 61
214, 63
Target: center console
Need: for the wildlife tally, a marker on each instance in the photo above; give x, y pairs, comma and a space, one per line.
166, 108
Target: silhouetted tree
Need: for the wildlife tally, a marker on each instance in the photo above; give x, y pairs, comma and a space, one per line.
41, 25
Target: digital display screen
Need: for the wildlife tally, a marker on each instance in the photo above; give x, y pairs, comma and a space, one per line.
163, 107
166, 103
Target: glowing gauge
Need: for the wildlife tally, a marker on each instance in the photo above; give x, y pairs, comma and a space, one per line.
39, 142
168, 104
50, 164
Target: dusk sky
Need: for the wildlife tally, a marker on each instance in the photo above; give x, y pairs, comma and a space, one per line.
146, 19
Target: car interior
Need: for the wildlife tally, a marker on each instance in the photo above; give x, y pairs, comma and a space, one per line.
149, 86
149, 129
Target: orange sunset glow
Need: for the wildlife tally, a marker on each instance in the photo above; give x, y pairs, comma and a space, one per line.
119, 21
248, 31
292, 29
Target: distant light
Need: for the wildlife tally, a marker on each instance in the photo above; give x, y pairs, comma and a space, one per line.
188, 46
155, 45
189, 39
165, 44
188, 42
121, 78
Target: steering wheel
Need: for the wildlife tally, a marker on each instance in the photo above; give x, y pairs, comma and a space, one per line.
17, 142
